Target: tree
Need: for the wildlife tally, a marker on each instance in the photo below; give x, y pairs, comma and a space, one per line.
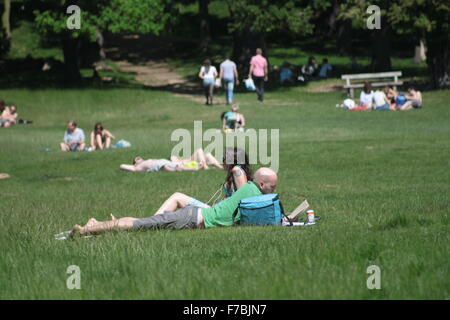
252, 20
116, 16
5, 34
417, 18
205, 32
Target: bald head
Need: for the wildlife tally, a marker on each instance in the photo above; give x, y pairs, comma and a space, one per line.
266, 179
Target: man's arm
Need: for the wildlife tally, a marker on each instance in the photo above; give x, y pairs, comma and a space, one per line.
251, 71
236, 75
266, 73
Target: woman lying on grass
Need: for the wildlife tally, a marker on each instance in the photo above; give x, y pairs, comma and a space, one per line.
199, 160
238, 174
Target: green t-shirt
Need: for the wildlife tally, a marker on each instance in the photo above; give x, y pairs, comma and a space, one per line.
222, 213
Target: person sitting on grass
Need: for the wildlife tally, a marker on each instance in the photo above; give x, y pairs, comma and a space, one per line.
190, 217
100, 137
414, 100
233, 121
8, 116
381, 102
392, 95
199, 160
365, 98
325, 69
238, 174
73, 138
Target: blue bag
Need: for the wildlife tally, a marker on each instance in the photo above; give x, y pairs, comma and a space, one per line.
260, 210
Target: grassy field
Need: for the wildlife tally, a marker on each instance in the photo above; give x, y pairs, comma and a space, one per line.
379, 180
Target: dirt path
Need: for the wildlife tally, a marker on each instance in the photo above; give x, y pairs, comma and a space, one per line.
157, 74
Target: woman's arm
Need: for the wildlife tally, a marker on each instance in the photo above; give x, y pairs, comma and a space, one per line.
109, 134
242, 120
92, 139
239, 177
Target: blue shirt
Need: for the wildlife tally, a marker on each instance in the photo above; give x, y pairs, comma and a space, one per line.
324, 70
76, 136
228, 67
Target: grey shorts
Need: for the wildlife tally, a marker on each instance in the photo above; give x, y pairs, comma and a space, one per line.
184, 218
416, 104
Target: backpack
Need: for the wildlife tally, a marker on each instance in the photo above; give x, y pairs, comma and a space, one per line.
260, 210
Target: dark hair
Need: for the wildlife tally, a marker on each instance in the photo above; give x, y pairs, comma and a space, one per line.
367, 87
98, 124
207, 64
2, 105
236, 156
325, 60
73, 122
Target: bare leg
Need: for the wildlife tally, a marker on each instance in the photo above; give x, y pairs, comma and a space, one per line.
108, 142
174, 202
407, 106
64, 146
199, 156
81, 147
98, 142
210, 158
121, 224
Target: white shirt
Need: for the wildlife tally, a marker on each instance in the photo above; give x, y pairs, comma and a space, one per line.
366, 99
380, 98
211, 72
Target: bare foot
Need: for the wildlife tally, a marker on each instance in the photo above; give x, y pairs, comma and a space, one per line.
112, 217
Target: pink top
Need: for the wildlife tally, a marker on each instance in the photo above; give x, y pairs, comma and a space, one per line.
259, 63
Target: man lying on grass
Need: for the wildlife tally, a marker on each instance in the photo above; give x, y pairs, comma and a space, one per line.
190, 217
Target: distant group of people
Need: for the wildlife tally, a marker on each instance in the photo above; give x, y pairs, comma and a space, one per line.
228, 77
8, 115
386, 99
308, 71
74, 138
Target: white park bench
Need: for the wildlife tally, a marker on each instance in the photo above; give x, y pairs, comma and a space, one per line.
382, 76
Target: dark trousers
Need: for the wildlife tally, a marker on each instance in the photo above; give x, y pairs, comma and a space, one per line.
259, 85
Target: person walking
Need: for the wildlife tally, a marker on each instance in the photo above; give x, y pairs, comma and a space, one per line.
259, 73
229, 75
208, 74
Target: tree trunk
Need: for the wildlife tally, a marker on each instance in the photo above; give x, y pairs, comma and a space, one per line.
71, 50
344, 37
205, 32
381, 50
438, 56
6, 26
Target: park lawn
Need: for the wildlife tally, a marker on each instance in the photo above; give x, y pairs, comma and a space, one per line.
378, 180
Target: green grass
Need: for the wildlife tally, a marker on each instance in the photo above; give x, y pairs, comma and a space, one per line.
379, 180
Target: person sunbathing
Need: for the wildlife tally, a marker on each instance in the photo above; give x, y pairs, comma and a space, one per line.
153, 165
8, 117
190, 217
200, 157
414, 100
238, 174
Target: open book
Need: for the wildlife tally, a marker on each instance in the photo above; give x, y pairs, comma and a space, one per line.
300, 209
